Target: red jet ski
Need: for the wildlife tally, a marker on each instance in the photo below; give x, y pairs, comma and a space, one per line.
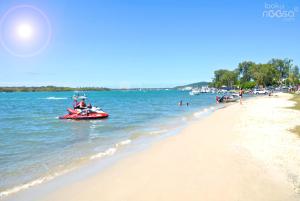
84, 113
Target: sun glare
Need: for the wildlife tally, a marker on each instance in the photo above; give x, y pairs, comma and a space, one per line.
24, 31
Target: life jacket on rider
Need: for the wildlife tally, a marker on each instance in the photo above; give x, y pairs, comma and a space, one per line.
80, 105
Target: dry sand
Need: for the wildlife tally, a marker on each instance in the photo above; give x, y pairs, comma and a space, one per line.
215, 159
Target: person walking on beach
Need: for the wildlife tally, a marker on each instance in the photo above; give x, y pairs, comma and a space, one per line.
241, 95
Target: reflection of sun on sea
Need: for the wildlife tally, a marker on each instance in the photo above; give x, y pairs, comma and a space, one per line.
24, 31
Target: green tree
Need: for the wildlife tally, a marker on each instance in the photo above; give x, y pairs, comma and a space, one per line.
283, 66
244, 71
294, 76
248, 74
264, 74
248, 85
225, 77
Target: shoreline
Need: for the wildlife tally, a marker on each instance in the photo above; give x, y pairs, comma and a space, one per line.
111, 155
189, 165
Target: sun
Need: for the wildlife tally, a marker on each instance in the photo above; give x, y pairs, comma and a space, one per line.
24, 31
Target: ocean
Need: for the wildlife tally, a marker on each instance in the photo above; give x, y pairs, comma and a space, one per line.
36, 146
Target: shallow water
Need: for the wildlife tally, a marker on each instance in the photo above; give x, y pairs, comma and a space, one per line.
36, 146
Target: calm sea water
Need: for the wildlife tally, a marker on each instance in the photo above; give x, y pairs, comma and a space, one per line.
35, 145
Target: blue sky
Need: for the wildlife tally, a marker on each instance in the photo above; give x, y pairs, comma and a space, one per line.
149, 43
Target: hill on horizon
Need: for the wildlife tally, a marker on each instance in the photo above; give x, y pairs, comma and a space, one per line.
194, 85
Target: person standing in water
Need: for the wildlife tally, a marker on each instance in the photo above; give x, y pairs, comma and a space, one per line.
241, 95
180, 103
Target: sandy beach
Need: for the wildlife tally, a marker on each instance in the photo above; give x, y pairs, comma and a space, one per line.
241, 152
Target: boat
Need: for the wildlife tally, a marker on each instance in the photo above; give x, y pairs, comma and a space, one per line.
85, 113
203, 89
194, 92
227, 98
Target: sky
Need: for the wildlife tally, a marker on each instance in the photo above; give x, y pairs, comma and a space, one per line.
141, 43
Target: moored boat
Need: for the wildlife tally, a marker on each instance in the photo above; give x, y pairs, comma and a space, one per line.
227, 98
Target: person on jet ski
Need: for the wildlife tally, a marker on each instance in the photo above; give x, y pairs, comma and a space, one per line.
82, 104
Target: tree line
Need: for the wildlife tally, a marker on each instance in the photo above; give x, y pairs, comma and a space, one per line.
248, 74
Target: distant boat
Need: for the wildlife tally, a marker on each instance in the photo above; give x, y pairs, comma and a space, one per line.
186, 88
203, 89
195, 92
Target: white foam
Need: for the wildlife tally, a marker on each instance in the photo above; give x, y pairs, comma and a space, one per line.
122, 143
112, 150
108, 152
32, 183
158, 132
99, 155
202, 112
198, 114
56, 98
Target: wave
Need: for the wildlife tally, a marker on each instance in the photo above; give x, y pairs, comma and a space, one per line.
32, 183
56, 98
200, 113
110, 151
158, 132
122, 143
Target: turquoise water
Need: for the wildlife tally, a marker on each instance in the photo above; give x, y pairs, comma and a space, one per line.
35, 145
